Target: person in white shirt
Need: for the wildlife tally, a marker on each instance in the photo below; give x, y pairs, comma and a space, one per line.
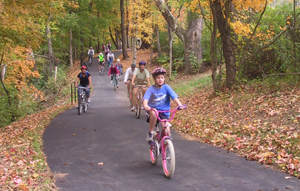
128, 77
110, 58
91, 53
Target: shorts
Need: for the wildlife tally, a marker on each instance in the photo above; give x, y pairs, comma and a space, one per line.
161, 116
101, 63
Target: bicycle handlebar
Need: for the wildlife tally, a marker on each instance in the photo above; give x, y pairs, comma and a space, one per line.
171, 111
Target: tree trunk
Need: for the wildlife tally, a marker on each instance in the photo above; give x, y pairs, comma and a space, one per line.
117, 39
214, 64
134, 38
82, 49
112, 36
13, 117
228, 45
75, 48
170, 49
192, 43
50, 50
127, 25
191, 38
157, 41
123, 30
71, 50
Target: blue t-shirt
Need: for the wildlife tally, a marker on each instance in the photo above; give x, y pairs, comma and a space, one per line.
160, 98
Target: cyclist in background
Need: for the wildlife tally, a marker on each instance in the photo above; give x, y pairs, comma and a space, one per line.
85, 80
119, 66
113, 70
106, 53
128, 77
109, 45
101, 61
142, 76
91, 53
158, 97
110, 58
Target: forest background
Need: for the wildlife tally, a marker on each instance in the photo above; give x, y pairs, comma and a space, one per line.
251, 49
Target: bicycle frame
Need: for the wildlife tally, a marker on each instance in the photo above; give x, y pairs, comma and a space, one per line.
82, 103
163, 143
164, 134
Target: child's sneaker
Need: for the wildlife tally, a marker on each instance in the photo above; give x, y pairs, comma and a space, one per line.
149, 139
133, 109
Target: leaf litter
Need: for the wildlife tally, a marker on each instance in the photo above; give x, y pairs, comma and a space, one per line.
262, 128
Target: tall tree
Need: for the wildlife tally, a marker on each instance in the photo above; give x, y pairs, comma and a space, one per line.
222, 15
191, 37
123, 30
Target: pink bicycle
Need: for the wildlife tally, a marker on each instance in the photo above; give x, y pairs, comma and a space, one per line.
163, 143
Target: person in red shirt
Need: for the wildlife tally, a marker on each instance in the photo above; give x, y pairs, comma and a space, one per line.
113, 70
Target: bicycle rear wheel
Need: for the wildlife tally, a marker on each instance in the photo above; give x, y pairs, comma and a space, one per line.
154, 153
168, 156
138, 109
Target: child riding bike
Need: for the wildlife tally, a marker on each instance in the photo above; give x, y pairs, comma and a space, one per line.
119, 66
101, 61
91, 53
113, 70
158, 97
85, 80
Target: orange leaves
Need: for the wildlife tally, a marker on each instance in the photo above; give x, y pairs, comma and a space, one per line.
21, 70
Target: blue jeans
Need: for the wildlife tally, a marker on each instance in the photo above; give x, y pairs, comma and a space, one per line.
87, 91
91, 56
120, 69
110, 60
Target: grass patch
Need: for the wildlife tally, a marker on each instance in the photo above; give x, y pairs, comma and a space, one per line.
190, 85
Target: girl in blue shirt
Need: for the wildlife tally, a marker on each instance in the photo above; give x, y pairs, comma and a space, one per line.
158, 97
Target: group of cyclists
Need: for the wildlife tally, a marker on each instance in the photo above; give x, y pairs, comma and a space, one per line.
158, 96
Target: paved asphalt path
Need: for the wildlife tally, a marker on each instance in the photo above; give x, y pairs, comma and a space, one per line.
109, 133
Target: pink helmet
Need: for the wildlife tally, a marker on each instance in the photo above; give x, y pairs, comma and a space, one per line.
159, 70
83, 67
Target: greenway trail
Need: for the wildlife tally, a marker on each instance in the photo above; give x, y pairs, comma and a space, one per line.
105, 149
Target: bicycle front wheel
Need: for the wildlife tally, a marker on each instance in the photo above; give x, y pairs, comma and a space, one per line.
79, 105
79, 109
168, 157
154, 152
85, 107
114, 82
138, 110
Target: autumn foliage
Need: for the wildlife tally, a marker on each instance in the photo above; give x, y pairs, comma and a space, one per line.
261, 126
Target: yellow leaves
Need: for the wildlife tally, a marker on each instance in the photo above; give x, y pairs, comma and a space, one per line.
241, 28
73, 4
21, 70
